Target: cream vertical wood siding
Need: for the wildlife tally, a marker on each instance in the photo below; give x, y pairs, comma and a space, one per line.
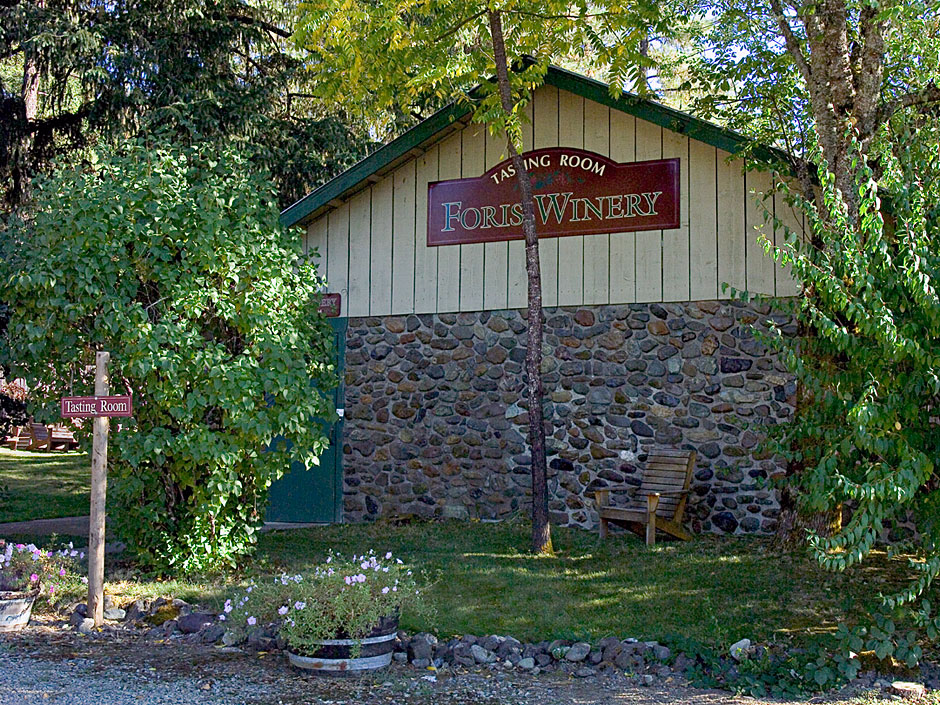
373, 247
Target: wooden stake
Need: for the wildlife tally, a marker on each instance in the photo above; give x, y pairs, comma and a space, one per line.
99, 490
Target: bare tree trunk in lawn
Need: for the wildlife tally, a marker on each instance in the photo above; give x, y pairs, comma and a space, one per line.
541, 529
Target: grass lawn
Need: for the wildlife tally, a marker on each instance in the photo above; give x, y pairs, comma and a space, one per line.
712, 589
43, 485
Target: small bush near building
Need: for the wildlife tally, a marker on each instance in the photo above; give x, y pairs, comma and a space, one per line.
173, 260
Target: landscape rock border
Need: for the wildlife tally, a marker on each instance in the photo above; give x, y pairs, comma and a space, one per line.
644, 662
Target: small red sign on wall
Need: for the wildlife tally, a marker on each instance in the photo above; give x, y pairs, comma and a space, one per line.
331, 305
575, 192
85, 407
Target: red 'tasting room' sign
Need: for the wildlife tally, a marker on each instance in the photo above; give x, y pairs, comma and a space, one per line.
575, 193
82, 407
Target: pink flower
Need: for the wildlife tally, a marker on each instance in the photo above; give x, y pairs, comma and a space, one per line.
385, 590
33, 578
388, 555
252, 621
282, 610
62, 572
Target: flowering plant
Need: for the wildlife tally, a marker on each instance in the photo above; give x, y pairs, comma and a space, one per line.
27, 568
342, 598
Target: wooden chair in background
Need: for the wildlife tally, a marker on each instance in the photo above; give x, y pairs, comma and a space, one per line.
659, 501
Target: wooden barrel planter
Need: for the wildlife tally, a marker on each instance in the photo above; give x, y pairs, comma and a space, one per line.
15, 609
335, 656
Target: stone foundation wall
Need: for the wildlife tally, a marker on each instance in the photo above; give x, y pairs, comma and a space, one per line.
435, 415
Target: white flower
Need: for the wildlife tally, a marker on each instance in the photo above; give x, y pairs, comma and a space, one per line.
388, 555
299, 605
385, 590
252, 621
282, 610
221, 617
364, 565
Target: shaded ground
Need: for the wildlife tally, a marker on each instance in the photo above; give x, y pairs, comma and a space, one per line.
45, 665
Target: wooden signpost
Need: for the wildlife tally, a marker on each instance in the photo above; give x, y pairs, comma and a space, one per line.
100, 407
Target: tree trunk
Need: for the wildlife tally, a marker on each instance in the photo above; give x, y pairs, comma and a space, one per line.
541, 529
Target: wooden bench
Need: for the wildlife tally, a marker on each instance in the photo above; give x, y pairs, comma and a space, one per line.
61, 437
659, 501
19, 438
39, 436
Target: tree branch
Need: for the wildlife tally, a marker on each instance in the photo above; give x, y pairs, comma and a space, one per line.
925, 96
453, 29
266, 26
793, 44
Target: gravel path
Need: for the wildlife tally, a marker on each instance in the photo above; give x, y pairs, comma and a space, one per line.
55, 666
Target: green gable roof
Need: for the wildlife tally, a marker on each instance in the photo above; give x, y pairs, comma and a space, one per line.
399, 148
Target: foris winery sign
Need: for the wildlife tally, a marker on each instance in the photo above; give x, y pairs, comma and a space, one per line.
575, 192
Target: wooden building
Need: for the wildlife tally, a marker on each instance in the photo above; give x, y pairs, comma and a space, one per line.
643, 344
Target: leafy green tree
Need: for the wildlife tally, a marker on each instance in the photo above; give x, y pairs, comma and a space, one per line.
850, 90
82, 74
173, 261
388, 52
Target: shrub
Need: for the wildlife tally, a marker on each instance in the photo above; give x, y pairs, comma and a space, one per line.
173, 260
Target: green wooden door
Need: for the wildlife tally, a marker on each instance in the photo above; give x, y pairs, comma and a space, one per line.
316, 494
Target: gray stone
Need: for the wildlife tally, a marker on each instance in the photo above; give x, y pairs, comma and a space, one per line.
213, 633
455, 511
86, 626
526, 664
907, 690
231, 638
585, 672
421, 663
740, 650
421, 646
578, 651
662, 653
114, 614
481, 655
193, 622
